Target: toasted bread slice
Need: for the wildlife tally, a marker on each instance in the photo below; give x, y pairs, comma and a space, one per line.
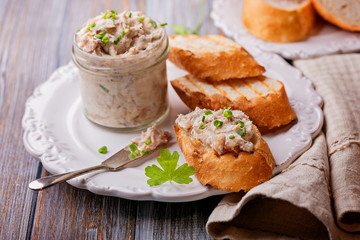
212, 57
279, 21
228, 172
263, 99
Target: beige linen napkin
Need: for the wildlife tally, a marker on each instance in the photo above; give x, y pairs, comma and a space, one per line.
320, 191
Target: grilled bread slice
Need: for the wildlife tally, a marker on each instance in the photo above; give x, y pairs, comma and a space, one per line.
228, 171
344, 14
212, 57
279, 21
263, 99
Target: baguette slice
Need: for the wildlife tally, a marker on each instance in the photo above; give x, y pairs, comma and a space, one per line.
212, 57
279, 20
263, 99
344, 14
228, 172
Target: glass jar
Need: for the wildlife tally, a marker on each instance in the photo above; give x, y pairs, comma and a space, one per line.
126, 92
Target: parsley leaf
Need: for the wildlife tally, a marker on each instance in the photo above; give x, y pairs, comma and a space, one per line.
169, 171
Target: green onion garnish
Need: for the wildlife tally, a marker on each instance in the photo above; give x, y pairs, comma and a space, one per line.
242, 124
203, 119
207, 112
133, 155
105, 40
127, 27
106, 16
133, 147
225, 108
103, 150
140, 19
88, 28
130, 13
228, 114
202, 126
153, 23
144, 152
101, 34
93, 24
104, 88
241, 132
218, 123
116, 40
231, 137
163, 24
122, 33
148, 141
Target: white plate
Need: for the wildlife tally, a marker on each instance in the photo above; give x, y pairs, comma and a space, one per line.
59, 135
329, 39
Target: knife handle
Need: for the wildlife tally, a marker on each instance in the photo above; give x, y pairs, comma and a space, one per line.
45, 182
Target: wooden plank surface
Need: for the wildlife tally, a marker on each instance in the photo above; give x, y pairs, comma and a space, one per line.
35, 39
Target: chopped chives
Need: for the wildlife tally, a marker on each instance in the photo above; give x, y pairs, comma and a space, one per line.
93, 24
207, 112
163, 24
122, 33
133, 147
140, 19
203, 119
127, 27
153, 23
241, 132
231, 137
148, 141
116, 40
88, 28
225, 108
133, 155
106, 16
104, 88
105, 40
202, 126
228, 114
100, 35
242, 124
144, 152
103, 150
218, 123
130, 14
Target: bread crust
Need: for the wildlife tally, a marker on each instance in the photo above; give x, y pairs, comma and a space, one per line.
333, 18
270, 111
278, 25
228, 172
222, 65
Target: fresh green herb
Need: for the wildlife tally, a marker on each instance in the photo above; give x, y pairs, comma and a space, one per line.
140, 19
116, 40
88, 28
207, 112
183, 30
241, 132
169, 171
133, 155
218, 123
93, 24
228, 114
202, 126
224, 108
104, 88
231, 137
203, 119
103, 150
100, 35
163, 24
127, 27
130, 13
148, 141
133, 147
153, 23
112, 14
107, 15
144, 152
105, 40
78, 30
122, 33
242, 124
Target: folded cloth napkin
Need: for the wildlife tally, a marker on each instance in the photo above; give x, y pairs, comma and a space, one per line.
318, 196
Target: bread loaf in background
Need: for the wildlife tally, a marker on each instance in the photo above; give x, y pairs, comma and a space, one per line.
279, 21
212, 57
344, 14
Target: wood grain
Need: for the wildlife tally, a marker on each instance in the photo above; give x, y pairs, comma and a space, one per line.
35, 39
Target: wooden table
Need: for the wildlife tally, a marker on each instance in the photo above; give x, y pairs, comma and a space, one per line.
35, 39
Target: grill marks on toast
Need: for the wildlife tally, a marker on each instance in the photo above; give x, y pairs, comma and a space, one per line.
249, 88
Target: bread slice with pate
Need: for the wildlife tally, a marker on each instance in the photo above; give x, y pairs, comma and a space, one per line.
263, 99
225, 148
212, 57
